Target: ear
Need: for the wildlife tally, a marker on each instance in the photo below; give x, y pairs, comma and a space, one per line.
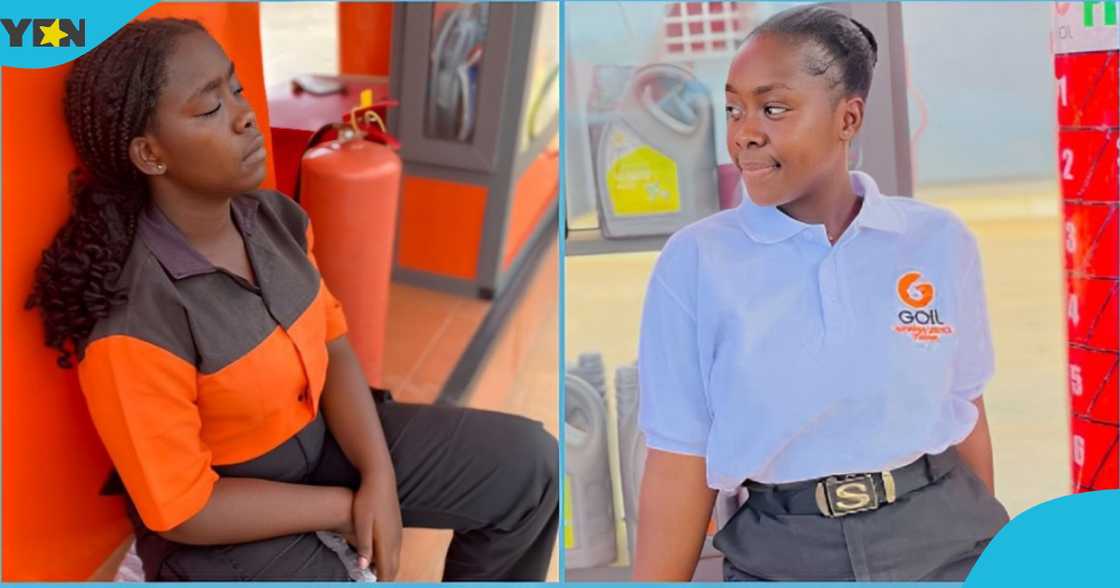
145, 155
850, 111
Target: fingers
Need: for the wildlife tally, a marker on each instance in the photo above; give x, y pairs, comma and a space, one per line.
363, 531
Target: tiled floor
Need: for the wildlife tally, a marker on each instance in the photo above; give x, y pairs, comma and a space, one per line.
1018, 229
519, 374
426, 334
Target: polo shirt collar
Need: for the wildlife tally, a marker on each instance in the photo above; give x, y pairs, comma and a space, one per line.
767, 224
877, 211
170, 245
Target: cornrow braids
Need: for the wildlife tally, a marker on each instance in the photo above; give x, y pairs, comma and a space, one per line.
110, 98
841, 41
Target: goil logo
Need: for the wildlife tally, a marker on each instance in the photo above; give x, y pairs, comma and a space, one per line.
908, 285
920, 321
45, 32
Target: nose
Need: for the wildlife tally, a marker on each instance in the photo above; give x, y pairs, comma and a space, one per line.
746, 132
246, 119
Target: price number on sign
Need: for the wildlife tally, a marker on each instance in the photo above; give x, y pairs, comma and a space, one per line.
1067, 164
1076, 386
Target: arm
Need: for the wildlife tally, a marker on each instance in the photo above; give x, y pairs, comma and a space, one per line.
976, 449
245, 509
167, 468
351, 416
674, 508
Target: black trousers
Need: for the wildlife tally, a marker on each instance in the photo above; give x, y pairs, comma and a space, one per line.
934, 533
491, 477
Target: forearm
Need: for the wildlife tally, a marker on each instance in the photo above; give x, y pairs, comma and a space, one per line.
247, 509
675, 506
351, 413
976, 449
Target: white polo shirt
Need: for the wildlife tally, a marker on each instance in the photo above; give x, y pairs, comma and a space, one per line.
780, 358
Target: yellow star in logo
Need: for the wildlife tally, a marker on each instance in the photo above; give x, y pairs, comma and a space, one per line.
52, 34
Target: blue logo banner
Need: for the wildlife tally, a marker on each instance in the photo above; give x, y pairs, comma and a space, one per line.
1068, 541
49, 33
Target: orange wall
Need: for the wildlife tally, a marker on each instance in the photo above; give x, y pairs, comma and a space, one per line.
55, 525
533, 196
364, 37
440, 226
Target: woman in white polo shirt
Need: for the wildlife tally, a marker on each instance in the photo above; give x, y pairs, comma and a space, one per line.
822, 346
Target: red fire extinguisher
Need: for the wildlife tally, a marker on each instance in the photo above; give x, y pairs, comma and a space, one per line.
350, 187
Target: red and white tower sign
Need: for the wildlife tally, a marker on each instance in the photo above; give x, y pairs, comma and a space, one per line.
1086, 43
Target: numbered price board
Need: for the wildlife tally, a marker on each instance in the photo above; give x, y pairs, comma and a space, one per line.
1086, 40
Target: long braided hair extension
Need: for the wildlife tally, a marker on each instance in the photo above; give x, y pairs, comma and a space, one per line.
110, 97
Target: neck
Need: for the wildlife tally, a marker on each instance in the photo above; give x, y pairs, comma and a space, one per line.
203, 219
831, 203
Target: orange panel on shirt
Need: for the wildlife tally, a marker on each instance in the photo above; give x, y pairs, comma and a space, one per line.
142, 401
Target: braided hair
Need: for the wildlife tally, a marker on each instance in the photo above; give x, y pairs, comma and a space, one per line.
110, 98
840, 40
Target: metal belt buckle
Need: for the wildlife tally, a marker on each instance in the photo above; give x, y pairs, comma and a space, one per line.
837, 497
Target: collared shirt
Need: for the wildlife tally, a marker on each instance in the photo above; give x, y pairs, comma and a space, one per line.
200, 367
780, 358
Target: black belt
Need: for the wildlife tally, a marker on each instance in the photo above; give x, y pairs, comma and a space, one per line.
841, 495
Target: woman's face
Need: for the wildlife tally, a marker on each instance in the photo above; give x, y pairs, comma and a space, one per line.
205, 131
786, 130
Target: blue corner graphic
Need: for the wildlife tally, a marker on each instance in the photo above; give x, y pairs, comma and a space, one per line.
1068, 541
45, 34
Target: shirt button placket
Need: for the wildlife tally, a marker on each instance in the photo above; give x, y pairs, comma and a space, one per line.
303, 396
830, 298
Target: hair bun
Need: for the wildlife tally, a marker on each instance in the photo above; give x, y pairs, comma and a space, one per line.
870, 39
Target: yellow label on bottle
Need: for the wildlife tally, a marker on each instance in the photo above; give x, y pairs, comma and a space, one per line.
569, 530
643, 182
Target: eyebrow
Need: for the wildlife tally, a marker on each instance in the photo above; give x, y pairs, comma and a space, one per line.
761, 89
212, 84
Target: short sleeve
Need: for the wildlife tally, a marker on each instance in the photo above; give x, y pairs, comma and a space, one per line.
673, 406
142, 400
974, 363
336, 319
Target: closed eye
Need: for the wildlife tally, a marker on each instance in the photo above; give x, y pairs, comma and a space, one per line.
237, 92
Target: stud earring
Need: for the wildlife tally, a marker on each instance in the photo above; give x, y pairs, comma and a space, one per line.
160, 166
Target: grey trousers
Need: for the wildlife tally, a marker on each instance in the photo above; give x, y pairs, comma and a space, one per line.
934, 533
490, 477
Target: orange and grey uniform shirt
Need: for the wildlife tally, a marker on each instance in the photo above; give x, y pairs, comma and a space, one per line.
201, 368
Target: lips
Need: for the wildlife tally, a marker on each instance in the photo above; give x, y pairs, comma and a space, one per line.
254, 147
758, 167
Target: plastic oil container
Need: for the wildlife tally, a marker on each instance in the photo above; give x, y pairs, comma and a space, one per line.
589, 525
656, 162
631, 447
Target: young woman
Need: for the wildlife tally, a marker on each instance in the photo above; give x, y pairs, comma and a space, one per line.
823, 347
214, 360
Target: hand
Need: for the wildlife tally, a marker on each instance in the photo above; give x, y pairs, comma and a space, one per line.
376, 525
